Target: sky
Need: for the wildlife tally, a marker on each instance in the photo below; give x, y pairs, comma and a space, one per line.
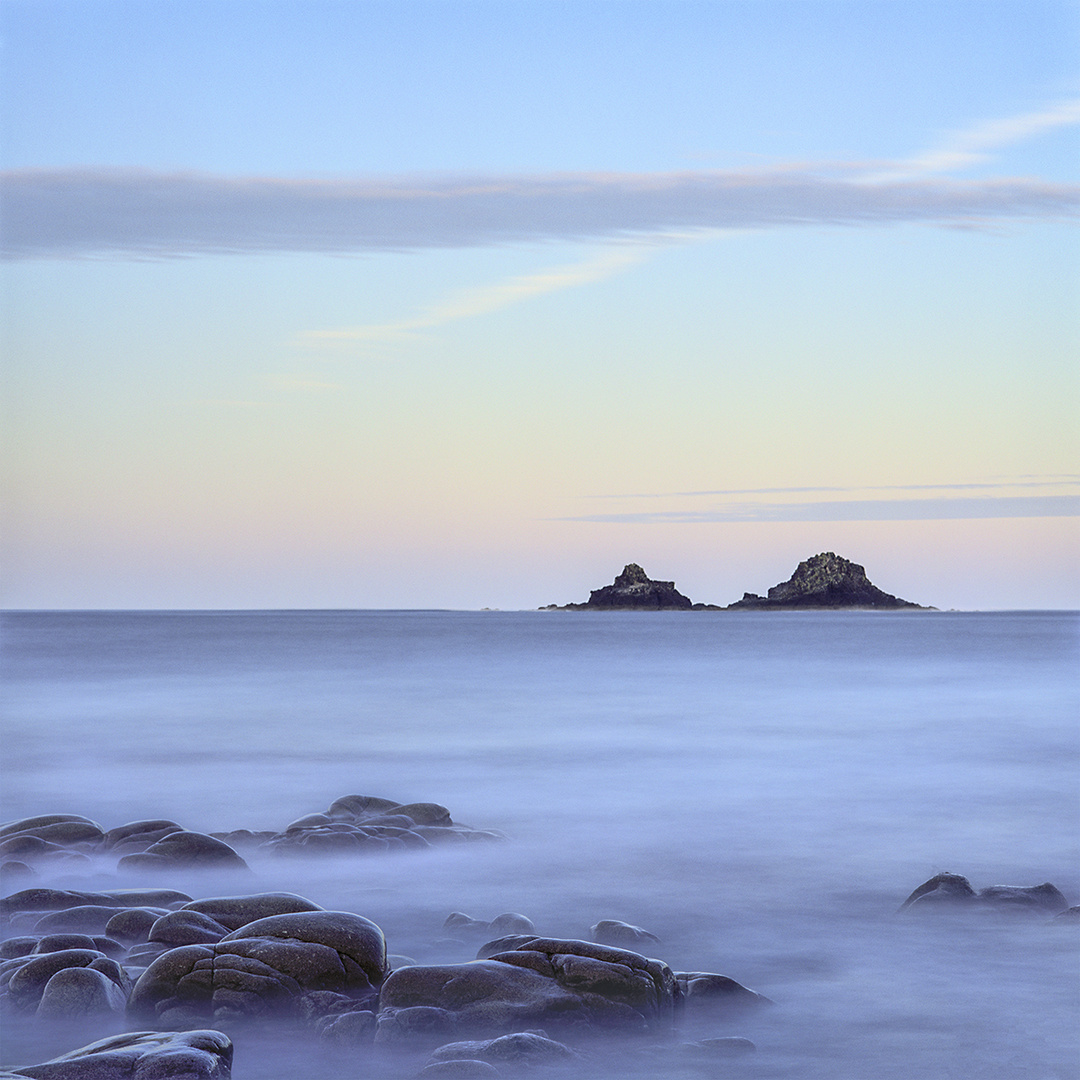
468, 304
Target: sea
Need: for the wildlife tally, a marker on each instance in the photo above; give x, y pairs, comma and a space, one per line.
760, 791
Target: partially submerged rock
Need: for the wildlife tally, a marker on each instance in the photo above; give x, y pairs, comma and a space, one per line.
544, 981
823, 581
264, 969
632, 590
156, 848
952, 891
142, 1055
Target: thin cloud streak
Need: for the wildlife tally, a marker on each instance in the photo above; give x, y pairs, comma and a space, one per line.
1020, 506
1066, 481
130, 213
470, 303
968, 147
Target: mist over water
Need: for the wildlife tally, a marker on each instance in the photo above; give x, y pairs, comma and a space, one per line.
759, 790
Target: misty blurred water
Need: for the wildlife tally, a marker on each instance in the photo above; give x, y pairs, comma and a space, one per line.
759, 790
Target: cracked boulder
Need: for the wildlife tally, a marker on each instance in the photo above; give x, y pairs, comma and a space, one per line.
542, 981
265, 968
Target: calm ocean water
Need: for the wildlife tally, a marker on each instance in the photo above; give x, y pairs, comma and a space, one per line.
760, 791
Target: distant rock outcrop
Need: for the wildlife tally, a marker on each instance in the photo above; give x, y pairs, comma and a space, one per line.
824, 581
632, 589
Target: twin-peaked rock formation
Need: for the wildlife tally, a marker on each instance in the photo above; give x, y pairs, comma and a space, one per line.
824, 581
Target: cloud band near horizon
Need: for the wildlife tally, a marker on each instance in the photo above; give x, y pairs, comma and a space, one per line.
130, 213
1019, 506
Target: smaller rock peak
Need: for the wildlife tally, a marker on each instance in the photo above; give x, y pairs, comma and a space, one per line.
632, 575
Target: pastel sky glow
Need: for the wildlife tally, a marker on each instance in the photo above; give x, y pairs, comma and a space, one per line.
463, 304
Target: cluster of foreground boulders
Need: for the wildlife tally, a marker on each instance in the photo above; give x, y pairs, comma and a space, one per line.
352, 825
186, 973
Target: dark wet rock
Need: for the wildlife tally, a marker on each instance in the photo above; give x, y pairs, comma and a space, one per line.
510, 923
528, 1048
17, 946
156, 828
264, 968
131, 926
942, 889
951, 891
356, 1027
81, 991
633, 589
543, 980
457, 922
184, 849
244, 838
26, 979
30, 847
44, 821
823, 581
233, 912
58, 942
142, 1055
42, 899
623, 935
1044, 897
358, 824
186, 928
706, 988
501, 945
84, 919
142, 956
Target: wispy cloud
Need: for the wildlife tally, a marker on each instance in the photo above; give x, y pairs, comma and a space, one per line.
485, 299
66, 213
970, 146
1064, 480
941, 509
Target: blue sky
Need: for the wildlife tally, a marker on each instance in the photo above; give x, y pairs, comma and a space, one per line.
456, 304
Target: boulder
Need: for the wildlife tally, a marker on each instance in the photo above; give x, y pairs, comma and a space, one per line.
25, 978
706, 988
234, 912
186, 928
546, 981
142, 1055
184, 849
823, 581
80, 991
42, 899
265, 967
942, 889
521, 1048
951, 891
1044, 897
622, 935
84, 919
131, 926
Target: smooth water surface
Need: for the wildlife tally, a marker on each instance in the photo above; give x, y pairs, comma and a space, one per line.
760, 790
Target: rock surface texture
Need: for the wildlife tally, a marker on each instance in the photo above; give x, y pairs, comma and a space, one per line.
633, 589
823, 581
141, 1055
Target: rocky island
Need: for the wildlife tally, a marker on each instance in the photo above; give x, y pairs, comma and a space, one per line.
632, 589
824, 581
